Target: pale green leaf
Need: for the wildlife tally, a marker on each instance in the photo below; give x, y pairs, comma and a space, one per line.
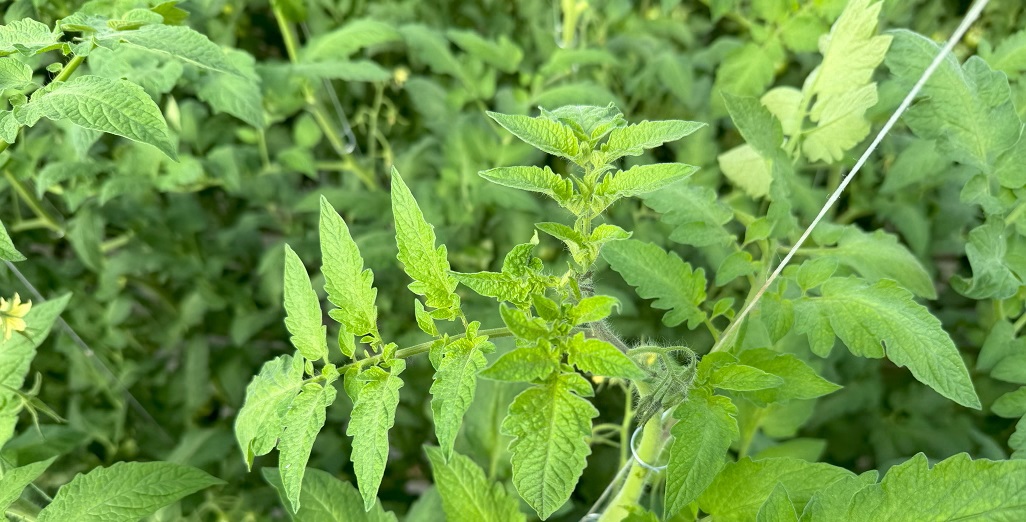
268, 397
551, 427
454, 383
591, 309
785, 103
179, 42
746, 71
346, 40
601, 358
350, 287
696, 213
115, 106
309, 335
1018, 440
533, 179
737, 264
968, 109
325, 498
7, 250
236, 94
632, 140
542, 133
1011, 404
373, 415
957, 488
467, 494
124, 492
14, 480
740, 377
660, 275
429, 267
841, 85
756, 124
878, 256
503, 287
14, 74
521, 365
747, 170
800, 381
989, 258
815, 272
504, 55
349, 71
739, 491
642, 179
777, 508
28, 37
864, 316
303, 422
706, 426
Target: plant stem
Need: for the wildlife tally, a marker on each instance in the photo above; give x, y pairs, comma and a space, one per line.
69, 68
1019, 323
494, 333
33, 202
649, 449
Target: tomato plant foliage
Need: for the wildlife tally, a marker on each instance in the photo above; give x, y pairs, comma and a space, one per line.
520, 253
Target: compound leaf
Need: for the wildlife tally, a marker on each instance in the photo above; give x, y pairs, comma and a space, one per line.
660, 275
268, 398
303, 422
551, 427
706, 426
327, 499
116, 106
349, 286
309, 335
467, 494
125, 491
373, 415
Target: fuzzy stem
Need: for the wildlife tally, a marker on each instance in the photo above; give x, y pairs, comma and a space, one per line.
633, 487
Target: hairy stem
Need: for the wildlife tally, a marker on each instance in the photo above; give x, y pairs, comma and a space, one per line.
648, 450
494, 333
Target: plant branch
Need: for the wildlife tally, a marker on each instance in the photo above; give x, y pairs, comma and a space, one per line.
494, 333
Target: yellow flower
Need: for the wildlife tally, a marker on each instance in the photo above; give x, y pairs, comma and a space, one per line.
11, 315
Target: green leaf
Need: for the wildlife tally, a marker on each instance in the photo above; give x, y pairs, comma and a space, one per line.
1011, 404
591, 309
532, 179
696, 213
740, 490
988, 255
632, 140
309, 335
7, 250
706, 426
29, 37
125, 491
349, 71
346, 40
349, 286
756, 124
502, 287
373, 415
737, 264
747, 170
303, 422
660, 275
428, 267
551, 427
524, 326
521, 365
454, 383
746, 70
601, 358
642, 179
179, 42
816, 271
1018, 440
238, 95
778, 507
1000, 343
864, 316
968, 109
15, 480
879, 256
467, 494
325, 498
504, 55
957, 488
268, 398
740, 377
542, 133
800, 381
841, 86
115, 106
14, 74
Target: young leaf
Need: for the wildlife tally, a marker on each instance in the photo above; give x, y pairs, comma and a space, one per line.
741, 377
116, 106
1018, 440
706, 426
741, 488
268, 398
551, 427
522, 365
747, 170
177, 41
800, 381
542, 133
601, 358
455, 381
696, 214
660, 275
957, 488
15, 480
777, 508
632, 140
991, 260
350, 287
533, 179
303, 321
373, 415
968, 109
14, 74
864, 316
591, 309
841, 85
7, 250
125, 491
303, 422
756, 124
467, 494
327, 499
1011, 404
642, 179
428, 267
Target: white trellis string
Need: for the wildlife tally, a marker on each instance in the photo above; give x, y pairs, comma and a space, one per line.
967, 21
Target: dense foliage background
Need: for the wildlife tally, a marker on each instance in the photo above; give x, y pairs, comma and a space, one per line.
175, 267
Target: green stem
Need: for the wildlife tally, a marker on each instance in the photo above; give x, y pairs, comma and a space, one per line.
1014, 215
494, 333
625, 427
748, 433
1019, 323
33, 202
648, 450
69, 68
